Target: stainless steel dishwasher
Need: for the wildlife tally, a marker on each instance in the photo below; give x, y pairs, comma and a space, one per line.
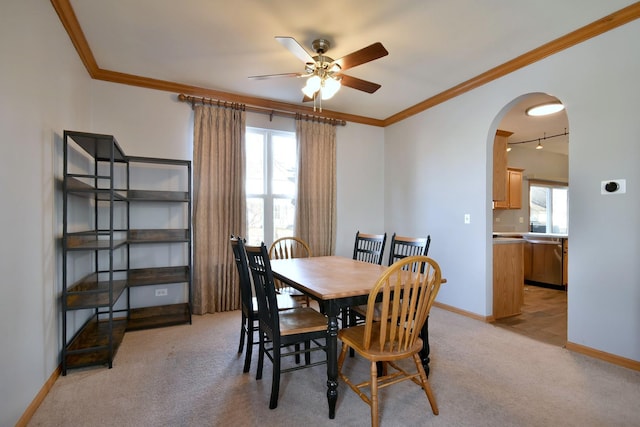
546, 261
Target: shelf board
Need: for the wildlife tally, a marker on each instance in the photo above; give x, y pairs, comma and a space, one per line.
80, 188
158, 236
90, 242
158, 316
157, 196
91, 345
91, 293
99, 146
158, 276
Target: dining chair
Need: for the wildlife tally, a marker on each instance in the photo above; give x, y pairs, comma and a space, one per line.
369, 247
401, 247
287, 248
281, 329
408, 289
248, 302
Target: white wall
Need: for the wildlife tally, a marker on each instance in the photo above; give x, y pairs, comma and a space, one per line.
451, 146
44, 89
416, 177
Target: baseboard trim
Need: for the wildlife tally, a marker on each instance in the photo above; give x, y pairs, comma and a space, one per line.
37, 401
465, 313
587, 351
607, 357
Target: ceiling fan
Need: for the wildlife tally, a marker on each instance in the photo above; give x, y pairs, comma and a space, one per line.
324, 74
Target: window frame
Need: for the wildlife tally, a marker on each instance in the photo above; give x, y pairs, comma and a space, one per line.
549, 214
268, 196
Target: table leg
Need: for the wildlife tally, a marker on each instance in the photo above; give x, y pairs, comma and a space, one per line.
332, 357
424, 353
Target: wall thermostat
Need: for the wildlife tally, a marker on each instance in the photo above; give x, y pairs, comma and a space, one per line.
613, 186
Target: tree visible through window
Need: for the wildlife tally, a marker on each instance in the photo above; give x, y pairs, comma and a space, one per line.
548, 208
270, 184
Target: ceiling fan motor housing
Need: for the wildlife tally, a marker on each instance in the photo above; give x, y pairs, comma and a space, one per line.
320, 46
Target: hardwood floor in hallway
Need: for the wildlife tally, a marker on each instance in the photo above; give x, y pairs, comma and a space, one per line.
544, 316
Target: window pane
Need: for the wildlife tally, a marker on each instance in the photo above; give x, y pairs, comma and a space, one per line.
255, 163
560, 217
538, 208
283, 217
284, 165
255, 220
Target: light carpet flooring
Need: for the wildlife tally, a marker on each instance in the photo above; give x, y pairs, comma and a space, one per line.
481, 375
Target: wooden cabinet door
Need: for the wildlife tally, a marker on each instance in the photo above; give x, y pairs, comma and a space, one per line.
508, 279
500, 180
515, 189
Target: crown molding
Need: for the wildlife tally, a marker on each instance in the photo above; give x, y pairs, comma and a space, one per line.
72, 26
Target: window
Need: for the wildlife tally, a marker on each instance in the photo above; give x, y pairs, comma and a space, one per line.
270, 184
548, 208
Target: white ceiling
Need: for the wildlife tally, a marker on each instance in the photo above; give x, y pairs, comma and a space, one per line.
433, 44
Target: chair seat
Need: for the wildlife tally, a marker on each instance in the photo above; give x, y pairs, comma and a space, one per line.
285, 302
301, 320
354, 338
361, 310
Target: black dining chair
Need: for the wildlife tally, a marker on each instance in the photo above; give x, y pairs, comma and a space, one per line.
369, 247
248, 302
281, 329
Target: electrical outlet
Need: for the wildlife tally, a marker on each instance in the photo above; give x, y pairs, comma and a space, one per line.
521, 220
161, 292
467, 218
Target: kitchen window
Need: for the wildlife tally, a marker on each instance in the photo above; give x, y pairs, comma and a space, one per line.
270, 184
548, 207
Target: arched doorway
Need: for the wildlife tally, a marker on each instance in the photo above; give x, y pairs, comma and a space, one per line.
538, 148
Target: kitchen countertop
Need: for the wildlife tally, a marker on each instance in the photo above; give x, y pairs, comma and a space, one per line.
505, 240
528, 235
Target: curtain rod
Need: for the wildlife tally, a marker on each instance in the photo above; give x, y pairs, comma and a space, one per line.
193, 100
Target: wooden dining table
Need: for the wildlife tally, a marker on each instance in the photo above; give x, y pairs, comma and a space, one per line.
335, 283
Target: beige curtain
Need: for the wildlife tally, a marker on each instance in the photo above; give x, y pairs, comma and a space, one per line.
219, 205
316, 201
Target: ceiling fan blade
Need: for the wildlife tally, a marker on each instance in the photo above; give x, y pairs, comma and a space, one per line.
269, 76
359, 84
305, 98
295, 48
361, 56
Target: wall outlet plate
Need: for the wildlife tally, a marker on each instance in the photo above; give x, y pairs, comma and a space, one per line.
613, 186
161, 292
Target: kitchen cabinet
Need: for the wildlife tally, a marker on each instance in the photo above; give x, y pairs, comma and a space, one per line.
514, 191
508, 277
500, 176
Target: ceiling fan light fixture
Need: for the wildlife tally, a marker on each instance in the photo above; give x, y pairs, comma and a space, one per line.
312, 86
330, 86
545, 109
